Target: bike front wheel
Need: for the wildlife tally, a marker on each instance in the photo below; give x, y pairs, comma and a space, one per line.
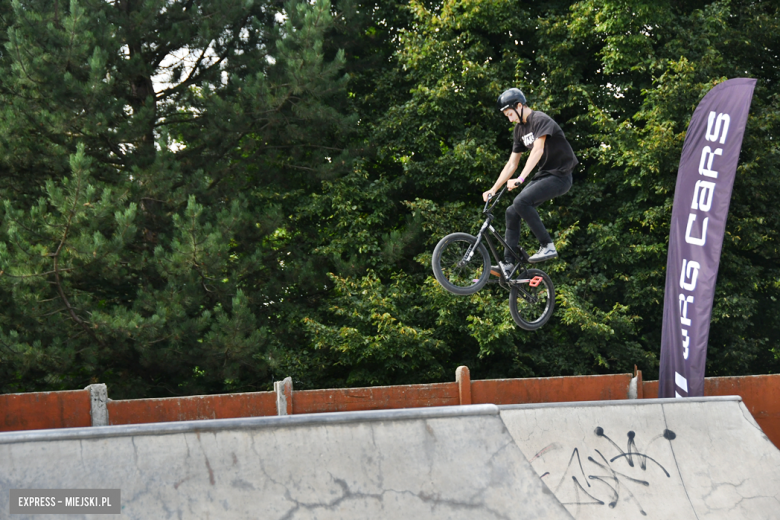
532, 299
460, 267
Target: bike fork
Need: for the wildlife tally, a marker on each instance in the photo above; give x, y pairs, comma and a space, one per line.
473, 247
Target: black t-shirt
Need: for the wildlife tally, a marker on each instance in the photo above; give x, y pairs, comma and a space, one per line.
558, 157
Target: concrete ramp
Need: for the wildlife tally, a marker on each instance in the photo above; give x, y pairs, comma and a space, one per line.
696, 458
436, 463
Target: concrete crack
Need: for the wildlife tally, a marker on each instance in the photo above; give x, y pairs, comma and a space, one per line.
677, 465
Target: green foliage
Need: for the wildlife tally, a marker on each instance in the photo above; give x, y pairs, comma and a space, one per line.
622, 79
205, 196
169, 254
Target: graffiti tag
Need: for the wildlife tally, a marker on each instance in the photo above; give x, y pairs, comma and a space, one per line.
611, 485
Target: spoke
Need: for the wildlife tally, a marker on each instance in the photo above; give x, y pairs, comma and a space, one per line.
457, 271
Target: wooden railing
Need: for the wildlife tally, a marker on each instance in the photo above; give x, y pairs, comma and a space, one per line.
46, 410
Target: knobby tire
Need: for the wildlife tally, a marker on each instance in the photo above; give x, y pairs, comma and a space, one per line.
452, 273
528, 315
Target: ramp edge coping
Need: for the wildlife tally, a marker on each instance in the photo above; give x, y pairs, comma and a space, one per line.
247, 423
621, 402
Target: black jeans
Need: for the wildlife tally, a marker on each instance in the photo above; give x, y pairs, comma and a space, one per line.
524, 208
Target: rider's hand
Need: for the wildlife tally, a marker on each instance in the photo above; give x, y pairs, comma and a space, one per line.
489, 194
514, 183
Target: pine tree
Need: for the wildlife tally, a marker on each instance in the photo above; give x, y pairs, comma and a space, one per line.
155, 160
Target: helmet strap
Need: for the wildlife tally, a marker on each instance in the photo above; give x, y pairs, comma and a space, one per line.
520, 115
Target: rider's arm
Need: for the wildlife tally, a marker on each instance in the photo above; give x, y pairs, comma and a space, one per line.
533, 158
506, 173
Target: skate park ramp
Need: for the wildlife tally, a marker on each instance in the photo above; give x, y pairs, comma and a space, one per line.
694, 458
435, 463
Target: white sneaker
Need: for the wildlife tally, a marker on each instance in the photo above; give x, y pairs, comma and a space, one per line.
547, 252
506, 267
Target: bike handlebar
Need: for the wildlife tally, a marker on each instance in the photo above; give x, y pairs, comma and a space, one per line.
494, 199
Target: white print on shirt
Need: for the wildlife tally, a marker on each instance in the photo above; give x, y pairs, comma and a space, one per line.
528, 139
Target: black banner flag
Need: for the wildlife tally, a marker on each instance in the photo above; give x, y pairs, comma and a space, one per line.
701, 205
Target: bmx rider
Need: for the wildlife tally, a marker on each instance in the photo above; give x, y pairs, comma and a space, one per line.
549, 149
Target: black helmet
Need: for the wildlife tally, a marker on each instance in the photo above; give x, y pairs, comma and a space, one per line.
510, 98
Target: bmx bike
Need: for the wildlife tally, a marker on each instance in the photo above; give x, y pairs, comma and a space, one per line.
461, 264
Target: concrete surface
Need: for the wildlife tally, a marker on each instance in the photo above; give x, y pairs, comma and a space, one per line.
697, 458
435, 463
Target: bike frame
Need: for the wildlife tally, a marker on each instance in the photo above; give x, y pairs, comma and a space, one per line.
520, 254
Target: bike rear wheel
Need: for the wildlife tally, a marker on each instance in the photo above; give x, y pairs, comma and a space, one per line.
453, 271
532, 306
